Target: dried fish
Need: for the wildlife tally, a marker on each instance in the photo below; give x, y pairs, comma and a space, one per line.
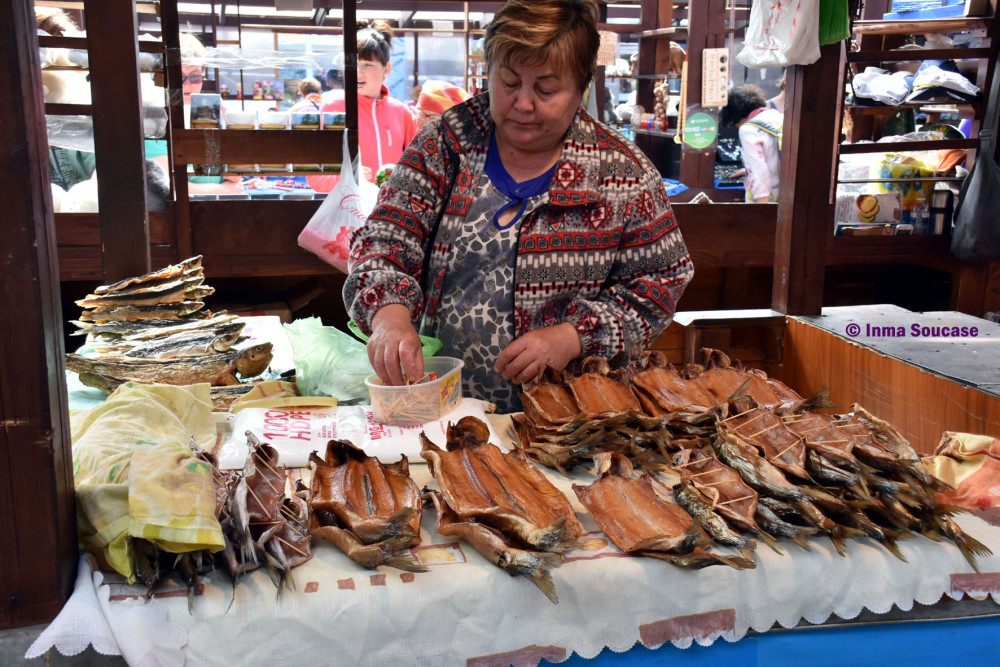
497, 496
639, 521
132, 313
370, 511
219, 369
168, 293
168, 272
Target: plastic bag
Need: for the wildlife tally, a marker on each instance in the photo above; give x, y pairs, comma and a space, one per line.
328, 362
780, 33
976, 236
328, 233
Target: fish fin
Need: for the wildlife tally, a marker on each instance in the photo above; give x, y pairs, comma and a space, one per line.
769, 540
801, 541
743, 561
407, 562
840, 534
948, 510
890, 544
541, 575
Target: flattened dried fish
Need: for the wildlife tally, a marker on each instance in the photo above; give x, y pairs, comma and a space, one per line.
217, 369
639, 521
187, 343
170, 272
133, 313
172, 292
368, 510
667, 390
500, 503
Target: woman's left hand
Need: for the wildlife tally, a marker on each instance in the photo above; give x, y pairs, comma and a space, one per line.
553, 346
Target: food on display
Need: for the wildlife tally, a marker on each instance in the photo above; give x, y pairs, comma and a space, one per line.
640, 521
369, 510
152, 328
747, 448
263, 521
500, 504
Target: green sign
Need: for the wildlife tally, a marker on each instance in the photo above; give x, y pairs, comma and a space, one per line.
700, 130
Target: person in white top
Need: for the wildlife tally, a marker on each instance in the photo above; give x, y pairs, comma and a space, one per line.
760, 140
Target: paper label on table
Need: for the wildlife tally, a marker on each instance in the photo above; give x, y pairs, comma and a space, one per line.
297, 432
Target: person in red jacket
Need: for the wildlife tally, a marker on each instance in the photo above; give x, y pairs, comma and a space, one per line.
385, 125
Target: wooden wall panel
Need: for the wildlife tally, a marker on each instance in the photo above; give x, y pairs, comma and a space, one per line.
254, 238
37, 519
918, 403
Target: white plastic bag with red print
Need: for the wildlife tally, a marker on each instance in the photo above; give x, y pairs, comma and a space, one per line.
781, 33
328, 233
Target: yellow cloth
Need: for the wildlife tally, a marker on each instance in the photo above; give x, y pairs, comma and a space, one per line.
971, 464
136, 476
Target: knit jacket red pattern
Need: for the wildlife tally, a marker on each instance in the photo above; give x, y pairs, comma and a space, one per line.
385, 128
603, 253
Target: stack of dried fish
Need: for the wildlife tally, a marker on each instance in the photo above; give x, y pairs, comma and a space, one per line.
641, 521
500, 504
370, 511
263, 521
152, 329
568, 419
753, 460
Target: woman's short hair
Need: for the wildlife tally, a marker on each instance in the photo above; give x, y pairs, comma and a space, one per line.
743, 100
309, 85
192, 50
374, 41
54, 21
561, 33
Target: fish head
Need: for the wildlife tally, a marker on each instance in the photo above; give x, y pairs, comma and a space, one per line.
253, 360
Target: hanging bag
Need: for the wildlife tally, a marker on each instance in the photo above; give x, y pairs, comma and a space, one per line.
781, 33
328, 233
976, 236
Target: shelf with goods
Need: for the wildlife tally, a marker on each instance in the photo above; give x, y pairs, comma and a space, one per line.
879, 43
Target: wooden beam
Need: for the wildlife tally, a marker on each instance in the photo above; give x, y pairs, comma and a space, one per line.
805, 203
118, 137
37, 518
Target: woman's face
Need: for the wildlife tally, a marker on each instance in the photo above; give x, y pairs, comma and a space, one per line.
193, 78
371, 75
532, 105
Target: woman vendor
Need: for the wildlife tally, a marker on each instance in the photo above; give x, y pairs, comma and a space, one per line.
517, 229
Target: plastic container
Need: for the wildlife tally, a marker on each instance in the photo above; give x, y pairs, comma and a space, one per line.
417, 404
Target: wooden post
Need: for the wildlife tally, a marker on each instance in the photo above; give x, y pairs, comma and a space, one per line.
706, 30
36, 474
118, 137
805, 202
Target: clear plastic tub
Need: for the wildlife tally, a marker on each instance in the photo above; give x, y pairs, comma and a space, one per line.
416, 404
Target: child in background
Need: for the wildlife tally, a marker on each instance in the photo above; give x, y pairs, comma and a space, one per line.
385, 125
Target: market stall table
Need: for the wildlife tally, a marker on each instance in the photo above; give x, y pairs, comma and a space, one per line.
466, 610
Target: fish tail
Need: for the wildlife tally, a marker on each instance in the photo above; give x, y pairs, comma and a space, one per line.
890, 544
968, 545
744, 561
770, 541
406, 561
540, 574
948, 510
800, 540
840, 534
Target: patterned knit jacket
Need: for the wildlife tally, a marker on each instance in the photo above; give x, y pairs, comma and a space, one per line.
603, 253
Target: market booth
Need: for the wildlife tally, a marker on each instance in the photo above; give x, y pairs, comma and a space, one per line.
464, 608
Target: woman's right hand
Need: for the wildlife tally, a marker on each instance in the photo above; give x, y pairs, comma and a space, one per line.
394, 348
